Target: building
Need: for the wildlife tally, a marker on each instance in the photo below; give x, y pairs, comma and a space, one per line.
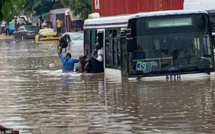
71, 23
58, 14
74, 23
119, 7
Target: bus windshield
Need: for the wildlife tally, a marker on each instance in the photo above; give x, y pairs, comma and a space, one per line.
170, 44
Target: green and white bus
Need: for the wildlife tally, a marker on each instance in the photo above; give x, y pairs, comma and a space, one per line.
164, 45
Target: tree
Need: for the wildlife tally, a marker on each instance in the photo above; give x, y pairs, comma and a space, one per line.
79, 7
10, 8
39, 6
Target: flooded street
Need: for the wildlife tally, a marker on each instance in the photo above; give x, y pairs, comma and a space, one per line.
36, 98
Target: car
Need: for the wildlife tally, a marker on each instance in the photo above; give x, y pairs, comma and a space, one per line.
46, 34
77, 42
26, 32
76, 37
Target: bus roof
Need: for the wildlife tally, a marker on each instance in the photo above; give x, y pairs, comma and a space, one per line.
122, 21
107, 22
170, 12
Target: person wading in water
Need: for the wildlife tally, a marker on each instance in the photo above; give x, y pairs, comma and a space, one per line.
68, 62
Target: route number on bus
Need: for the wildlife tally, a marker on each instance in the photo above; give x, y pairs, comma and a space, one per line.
143, 66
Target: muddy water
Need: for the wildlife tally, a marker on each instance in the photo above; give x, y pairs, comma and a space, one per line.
36, 98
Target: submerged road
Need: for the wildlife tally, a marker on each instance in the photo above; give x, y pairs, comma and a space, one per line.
36, 98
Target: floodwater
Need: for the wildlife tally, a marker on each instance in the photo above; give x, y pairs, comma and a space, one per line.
36, 98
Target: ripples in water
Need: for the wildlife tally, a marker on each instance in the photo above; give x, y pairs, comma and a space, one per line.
36, 98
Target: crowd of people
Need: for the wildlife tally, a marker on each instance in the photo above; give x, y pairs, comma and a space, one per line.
85, 63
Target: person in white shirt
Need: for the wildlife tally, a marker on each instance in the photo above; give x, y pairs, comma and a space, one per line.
100, 52
95, 62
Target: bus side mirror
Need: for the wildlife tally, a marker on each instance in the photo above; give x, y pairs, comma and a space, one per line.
130, 44
126, 33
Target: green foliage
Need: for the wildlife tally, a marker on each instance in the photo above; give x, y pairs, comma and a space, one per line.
10, 8
39, 6
79, 7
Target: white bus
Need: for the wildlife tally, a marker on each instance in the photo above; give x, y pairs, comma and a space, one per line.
168, 45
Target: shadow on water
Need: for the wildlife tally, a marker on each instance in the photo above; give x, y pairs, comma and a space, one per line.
37, 98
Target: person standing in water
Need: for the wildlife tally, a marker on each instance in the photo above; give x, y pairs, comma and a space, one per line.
80, 66
68, 62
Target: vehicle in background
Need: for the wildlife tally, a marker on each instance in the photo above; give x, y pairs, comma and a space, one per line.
46, 34
24, 19
26, 32
76, 37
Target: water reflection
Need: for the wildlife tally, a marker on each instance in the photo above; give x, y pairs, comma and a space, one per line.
37, 98
66, 82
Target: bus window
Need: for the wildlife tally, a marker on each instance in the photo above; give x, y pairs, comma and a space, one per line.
107, 32
112, 49
100, 38
87, 41
123, 56
119, 53
115, 52
106, 52
93, 40
116, 49
114, 33
110, 53
108, 48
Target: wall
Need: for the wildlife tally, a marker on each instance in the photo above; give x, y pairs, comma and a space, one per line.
118, 7
53, 20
